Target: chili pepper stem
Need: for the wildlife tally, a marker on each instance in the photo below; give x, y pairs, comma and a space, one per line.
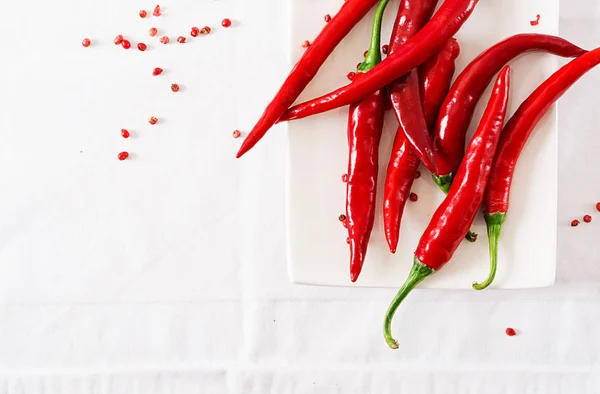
444, 182
374, 53
494, 223
418, 272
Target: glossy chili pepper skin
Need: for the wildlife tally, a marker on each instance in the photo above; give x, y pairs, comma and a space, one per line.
457, 110
435, 76
514, 137
304, 71
365, 124
453, 218
405, 94
427, 42
399, 179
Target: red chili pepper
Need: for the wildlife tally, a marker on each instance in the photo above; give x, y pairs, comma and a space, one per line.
515, 135
404, 93
365, 125
457, 110
436, 76
427, 42
452, 219
350, 14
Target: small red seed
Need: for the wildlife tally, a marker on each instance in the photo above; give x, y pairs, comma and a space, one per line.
118, 39
123, 155
164, 40
86, 42
125, 133
156, 11
575, 223
327, 18
226, 22
345, 178
181, 39
153, 120
175, 87
587, 219
385, 49
417, 174
153, 31
142, 47
157, 71
358, 65
205, 30
536, 21
126, 44
366, 53
598, 206
351, 75
413, 197
342, 218
195, 31
511, 332
305, 44
237, 134
143, 14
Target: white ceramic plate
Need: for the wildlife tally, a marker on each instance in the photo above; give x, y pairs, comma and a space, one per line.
317, 158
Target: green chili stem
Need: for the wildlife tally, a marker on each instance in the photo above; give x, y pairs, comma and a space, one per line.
494, 223
418, 272
374, 53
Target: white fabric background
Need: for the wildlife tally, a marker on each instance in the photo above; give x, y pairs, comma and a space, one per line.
166, 273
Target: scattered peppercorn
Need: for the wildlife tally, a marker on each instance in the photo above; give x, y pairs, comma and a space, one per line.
157, 11
417, 174
575, 223
536, 21
142, 47
157, 71
511, 332
175, 87
345, 178
587, 219
164, 40
351, 75
143, 14
86, 42
342, 218
327, 18
598, 206
153, 120
305, 44
118, 39
153, 31
237, 134
195, 31
226, 22
205, 30
126, 44
385, 49
413, 197
125, 133
123, 155
181, 39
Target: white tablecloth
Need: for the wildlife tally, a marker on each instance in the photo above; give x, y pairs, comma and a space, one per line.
166, 273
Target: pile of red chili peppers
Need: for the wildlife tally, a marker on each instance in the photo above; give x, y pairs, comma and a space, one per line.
433, 118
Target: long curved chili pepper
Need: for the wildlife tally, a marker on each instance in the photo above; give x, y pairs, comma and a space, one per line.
437, 74
515, 135
304, 71
455, 215
427, 42
365, 125
404, 93
458, 107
